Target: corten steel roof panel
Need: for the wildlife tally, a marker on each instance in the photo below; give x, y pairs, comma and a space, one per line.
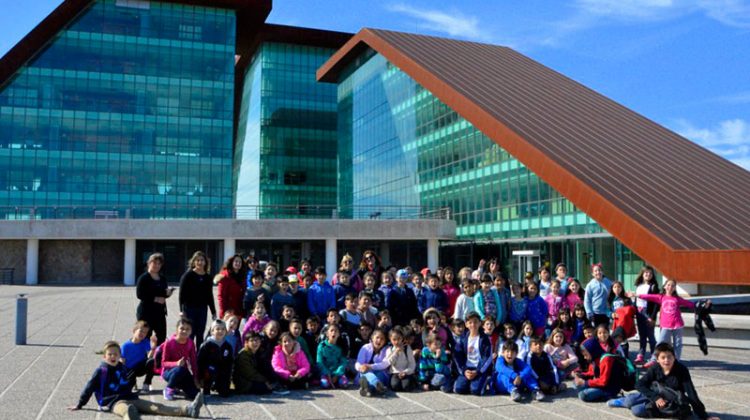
655, 191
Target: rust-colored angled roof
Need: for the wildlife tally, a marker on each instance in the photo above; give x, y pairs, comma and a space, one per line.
680, 207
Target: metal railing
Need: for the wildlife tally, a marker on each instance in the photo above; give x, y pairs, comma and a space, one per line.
171, 212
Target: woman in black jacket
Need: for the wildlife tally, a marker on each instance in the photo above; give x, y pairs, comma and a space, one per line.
197, 295
152, 291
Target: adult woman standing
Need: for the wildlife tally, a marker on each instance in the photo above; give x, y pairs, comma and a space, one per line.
232, 286
347, 266
152, 291
196, 295
370, 263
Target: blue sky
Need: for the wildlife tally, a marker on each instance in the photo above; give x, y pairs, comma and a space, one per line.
683, 63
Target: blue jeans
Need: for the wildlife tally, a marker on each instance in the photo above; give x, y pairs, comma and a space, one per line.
675, 336
181, 378
594, 394
637, 404
375, 376
475, 387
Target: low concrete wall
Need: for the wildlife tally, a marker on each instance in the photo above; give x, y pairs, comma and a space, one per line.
13, 256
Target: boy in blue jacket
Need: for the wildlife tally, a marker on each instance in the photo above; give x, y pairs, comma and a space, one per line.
472, 358
512, 375
321, 297
114, 392
433, 296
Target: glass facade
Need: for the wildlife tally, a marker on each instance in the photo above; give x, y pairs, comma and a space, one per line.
130, 107
400, 145
285, 160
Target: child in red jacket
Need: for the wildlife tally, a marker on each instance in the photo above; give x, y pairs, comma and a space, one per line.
600, 382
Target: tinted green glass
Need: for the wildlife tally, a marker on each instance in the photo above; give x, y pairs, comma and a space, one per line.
130, 106
400, 145
286, 142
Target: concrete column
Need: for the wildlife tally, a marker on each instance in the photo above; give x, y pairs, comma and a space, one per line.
432, 254
385, 253
305, 251
129, 263
32, 261
332, 265
229, 248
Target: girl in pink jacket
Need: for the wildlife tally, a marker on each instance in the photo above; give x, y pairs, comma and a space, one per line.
290, 363
670, 319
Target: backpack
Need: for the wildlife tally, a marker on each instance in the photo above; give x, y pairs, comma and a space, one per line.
676, 406
623, 371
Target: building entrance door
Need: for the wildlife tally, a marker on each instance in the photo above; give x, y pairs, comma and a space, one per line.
524, 261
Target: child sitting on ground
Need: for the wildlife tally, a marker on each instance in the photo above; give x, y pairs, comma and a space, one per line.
331, 361
401, 360
601, 381
561, 353
434, 366
524, 339
180, 363
544, 368
666, 390
513, 375
215, 360
472, 357
372, 365
114, 393
137, 355
290, 363
251, 375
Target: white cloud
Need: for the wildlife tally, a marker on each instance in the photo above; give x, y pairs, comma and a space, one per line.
729, 139
729, 12
627, 9
454, 23
738, 98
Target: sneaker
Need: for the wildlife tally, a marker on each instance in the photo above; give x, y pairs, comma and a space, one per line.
146, 388
539, 395
616, 402
325, 383
639, 359
280, 390
364, 387
168, 393
649, 364
194, 408
515, 395
380, 388
343, 382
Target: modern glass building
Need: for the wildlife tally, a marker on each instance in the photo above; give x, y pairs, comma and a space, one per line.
286, 139
128, 109
171, 110
423, 153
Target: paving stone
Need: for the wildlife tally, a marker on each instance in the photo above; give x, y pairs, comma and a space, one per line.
68, 325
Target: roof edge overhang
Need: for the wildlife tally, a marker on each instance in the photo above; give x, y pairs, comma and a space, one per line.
707, 266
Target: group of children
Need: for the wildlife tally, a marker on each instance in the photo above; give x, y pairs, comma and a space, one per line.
469, 333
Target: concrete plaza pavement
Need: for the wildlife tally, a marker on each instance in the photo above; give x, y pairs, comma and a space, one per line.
67, 325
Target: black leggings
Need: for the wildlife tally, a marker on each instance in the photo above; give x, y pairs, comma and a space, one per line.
143, 368
406, 383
